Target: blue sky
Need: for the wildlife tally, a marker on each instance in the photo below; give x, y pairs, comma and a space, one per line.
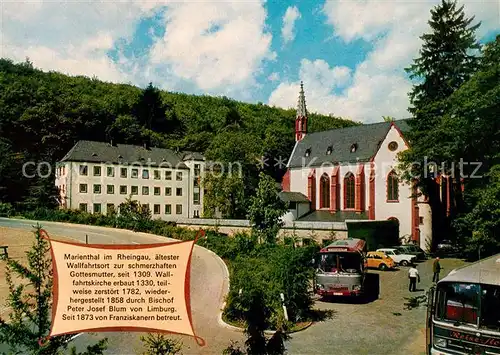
350, 54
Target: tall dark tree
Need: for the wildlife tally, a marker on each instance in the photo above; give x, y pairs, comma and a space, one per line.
153, 114
448, 57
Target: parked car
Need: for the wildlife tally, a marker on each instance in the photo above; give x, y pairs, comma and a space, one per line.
412, 249
447, 248
398, 257
379, 260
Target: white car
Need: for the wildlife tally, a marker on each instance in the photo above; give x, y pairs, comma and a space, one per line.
398, 257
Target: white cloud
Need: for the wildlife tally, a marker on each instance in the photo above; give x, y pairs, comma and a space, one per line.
273, 77
75, 37
215, 44
379, 85
292, 14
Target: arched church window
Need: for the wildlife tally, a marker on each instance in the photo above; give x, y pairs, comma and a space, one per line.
392, 187
349, 191
324, 190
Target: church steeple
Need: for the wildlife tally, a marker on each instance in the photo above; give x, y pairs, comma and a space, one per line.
301, 118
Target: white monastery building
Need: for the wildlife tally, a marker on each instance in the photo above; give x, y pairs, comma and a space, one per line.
97, 177
350, 174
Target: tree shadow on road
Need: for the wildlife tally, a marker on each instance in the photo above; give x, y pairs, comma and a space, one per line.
320, 315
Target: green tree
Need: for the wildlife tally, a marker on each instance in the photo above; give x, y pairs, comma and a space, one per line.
472, 128
6, 162
224, 195
30, 302
266, 209
126, 130
447, 59
43, 193
159, 344
134, 215
482, 224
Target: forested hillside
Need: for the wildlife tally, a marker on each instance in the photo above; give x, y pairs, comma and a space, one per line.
43, 114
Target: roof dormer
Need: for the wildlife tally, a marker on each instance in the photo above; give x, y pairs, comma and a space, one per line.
354, 147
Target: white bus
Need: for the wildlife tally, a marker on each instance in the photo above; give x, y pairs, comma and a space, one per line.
463, 312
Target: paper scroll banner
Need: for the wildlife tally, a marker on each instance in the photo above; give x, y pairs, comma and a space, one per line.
129, 288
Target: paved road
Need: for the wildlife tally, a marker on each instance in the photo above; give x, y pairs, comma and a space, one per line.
209, 284
382, 327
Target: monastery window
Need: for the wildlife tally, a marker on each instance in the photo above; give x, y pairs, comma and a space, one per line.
349, 191
393, 146
324, 190
329, 150
83, 170
392, 187
354, 147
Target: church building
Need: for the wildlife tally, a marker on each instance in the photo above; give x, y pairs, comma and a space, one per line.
351, 174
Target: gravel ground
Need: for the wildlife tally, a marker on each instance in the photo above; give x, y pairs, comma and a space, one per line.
376, 327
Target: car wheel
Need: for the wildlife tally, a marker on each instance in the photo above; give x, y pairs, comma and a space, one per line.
404, 263
383, 267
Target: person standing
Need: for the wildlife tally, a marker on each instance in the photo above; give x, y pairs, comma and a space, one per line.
436, 268
413, 276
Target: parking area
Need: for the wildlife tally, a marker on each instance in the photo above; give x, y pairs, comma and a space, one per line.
382, 327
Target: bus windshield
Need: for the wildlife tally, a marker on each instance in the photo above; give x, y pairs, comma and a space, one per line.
340, 262
463, 303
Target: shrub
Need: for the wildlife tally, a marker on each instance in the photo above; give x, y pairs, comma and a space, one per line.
159, 344
271, 270
6, 209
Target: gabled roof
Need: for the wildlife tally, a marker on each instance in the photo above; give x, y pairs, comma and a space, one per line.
187, 155
366, 140
102, 152
288, 196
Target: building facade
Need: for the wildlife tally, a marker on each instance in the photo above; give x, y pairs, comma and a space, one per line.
97, 177
351, 174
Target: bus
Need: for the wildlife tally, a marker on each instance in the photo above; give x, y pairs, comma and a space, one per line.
341, 268
463, 311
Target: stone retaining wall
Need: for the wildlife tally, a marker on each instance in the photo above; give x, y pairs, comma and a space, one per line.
319, 231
